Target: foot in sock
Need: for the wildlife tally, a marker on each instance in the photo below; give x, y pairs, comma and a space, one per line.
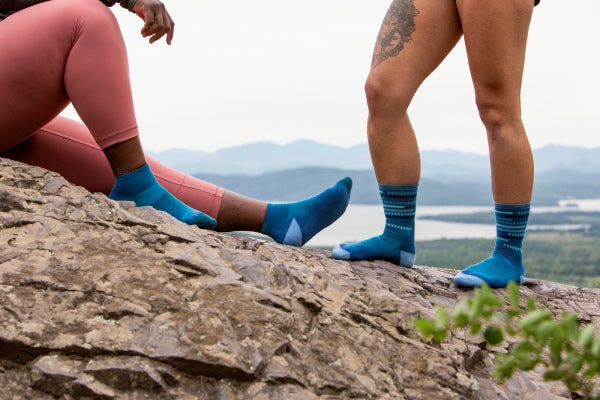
382, 247
296, 223
141, 187
495, 271
396, 244
506, 263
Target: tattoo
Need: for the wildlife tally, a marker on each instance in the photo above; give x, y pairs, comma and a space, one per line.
396, 29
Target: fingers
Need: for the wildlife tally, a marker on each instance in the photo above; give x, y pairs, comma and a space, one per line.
157, 21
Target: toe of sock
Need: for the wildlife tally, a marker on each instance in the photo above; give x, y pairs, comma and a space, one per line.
462, 279
348, 182
204, 221
339, 253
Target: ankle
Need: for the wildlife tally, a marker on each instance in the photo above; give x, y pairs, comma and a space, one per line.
125, 157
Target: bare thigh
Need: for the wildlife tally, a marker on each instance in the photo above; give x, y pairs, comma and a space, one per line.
414, 38
495, 35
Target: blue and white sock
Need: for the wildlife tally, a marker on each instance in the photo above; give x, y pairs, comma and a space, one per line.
397, 242
141, 187
296, 223
505, 263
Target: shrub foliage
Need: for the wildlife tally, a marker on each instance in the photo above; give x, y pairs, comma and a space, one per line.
567, 352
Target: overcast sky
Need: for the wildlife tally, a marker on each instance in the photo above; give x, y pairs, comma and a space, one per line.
272, 70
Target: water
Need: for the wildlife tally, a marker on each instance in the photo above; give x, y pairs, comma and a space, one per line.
363, 221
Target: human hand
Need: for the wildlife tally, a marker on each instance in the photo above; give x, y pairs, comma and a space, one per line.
157, 20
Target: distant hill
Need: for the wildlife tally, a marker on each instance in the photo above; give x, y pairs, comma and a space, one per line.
441, 165
296, 184
289, 172
257, 158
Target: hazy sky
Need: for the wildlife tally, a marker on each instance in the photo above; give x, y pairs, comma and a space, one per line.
271, 70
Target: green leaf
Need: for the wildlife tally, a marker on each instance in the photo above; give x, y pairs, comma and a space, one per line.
476, 308
596, 347
489, 298
524, 347
493, 335
513, 295
554, 375
425, 326
530, 321
459, 314
510, 329
572, 383
593, 370
526, 363
576, 364
505, 367
530, 304
440, 335
460, 320
544, 330
525, 355
475, 328
441, 318
586, 336
556, 345
569, 322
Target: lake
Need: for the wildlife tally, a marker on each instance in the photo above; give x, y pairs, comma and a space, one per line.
363, 221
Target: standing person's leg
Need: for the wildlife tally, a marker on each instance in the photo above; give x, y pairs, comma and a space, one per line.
495, 37
68, 148
413, 40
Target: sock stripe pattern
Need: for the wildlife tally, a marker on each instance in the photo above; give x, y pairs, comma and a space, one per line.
399, 206
511, 223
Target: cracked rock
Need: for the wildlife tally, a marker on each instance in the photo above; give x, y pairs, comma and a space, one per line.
100, 299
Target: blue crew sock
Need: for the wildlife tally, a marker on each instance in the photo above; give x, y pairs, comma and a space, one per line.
141, 187
397, 242
296, 223
506, 263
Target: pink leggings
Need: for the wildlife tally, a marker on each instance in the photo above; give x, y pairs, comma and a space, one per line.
63, 51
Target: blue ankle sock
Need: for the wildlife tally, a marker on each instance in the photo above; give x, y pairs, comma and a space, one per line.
141, 187
397, 242
296, 223
506, 263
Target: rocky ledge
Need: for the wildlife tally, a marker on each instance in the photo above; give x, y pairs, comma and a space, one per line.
106, 301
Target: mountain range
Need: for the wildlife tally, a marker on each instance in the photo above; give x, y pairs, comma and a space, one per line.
270, 171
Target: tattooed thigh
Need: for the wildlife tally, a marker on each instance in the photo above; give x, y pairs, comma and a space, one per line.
396, 30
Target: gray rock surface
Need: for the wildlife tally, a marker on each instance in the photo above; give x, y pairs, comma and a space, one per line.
106, 301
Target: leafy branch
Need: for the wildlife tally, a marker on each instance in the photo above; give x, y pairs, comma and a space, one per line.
566, 352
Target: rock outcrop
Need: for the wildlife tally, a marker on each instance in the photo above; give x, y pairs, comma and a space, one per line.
106, 301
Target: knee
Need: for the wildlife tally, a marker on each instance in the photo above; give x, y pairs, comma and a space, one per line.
499, 114
385, 95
